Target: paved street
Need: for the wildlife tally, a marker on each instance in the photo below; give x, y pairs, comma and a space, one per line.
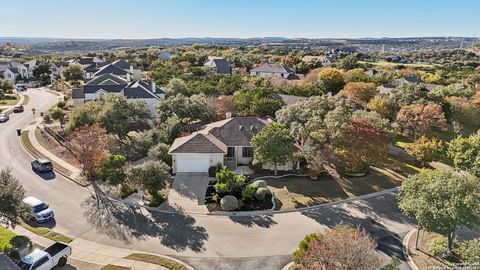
205, 242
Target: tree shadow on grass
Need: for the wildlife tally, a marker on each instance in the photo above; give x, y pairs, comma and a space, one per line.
264, 221
126, 223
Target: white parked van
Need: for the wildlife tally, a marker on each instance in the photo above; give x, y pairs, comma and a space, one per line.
39, 210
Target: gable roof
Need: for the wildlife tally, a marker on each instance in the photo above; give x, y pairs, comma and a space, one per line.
108, 77
235, 131
198, 143
141, 89
273, 68
123, 64
4, 65
221, 65
288, 99
112, 69
60, 64
13, 70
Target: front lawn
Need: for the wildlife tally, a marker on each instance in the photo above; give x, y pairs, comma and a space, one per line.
10, 100
297, 192
5, 237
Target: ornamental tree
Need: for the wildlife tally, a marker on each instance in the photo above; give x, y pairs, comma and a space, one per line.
426, 150
12, 208
465, 153
337, 249
91, 145
332, 79
441, 201
73, 72
382, 105
273, 145
362, 144
419, 119
360, 91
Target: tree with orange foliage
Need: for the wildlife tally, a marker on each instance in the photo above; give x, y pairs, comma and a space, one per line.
91, 145
362, 144
359, 91
420, 119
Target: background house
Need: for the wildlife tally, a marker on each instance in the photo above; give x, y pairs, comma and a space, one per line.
324, 60
219, 66
57, 69
273, 71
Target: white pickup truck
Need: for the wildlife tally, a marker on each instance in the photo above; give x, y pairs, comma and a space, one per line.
54, 255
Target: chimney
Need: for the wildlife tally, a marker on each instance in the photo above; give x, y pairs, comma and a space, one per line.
154, 88
129, 77
228, 115
131, 69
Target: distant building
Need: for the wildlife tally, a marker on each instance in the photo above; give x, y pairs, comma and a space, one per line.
274, 71
326, 62
219, 66
90, 65
122, 69
57, 69
165, 55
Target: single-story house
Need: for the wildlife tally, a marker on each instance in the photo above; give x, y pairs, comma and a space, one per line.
289, 99
273, 71
222, 143
386, 89
409, 79
108, 83
219, 66
326, 62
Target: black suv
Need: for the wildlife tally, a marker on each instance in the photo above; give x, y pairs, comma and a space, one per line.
18, 109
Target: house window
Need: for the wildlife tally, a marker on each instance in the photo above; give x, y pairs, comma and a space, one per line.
231, 152
247, 152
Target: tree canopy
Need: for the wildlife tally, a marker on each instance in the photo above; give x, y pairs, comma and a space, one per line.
12, 208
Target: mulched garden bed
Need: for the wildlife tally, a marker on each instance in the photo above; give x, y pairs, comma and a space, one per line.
249, 206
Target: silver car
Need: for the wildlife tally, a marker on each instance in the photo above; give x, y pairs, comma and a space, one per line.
3, 117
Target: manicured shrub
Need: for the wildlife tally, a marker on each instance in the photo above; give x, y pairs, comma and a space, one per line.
470, 251
61, 104
439, 247
260, 183
248, 192
229, 203
212, 171
261, 193
221, 188
157, 199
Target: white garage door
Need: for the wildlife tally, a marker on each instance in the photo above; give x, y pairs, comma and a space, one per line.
192, 164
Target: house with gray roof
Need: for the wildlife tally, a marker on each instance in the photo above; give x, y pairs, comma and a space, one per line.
57, 69
219, 66
100, 86
273, 71
12, 74
221, 143
122, 69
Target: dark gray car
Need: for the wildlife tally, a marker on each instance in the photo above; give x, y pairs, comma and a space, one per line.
42, 165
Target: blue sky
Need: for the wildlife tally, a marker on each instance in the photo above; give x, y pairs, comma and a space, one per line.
239, 18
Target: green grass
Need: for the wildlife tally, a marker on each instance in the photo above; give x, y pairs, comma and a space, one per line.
9, 102
153, 259
114, 267
47, 233
5, 237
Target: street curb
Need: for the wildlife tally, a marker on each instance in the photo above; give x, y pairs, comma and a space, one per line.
405, 242
288, 266
56, 171
20, 101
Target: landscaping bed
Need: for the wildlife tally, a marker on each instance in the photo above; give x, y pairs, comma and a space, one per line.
50, 143
423, 257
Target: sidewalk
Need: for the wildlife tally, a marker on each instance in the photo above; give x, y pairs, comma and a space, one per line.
90, 253
75, 172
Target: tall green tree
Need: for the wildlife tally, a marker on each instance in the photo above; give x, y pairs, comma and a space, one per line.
12, 208
187, 109
441, 201
273, 145
74, 73
152, 176
257, 102
465, 153
331, 79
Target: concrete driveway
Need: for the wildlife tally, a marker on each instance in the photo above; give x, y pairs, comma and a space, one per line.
188, 193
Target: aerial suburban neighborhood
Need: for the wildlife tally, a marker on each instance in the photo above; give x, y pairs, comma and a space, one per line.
225, 135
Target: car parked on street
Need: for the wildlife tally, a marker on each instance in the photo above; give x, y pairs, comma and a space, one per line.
40, 211
40, 165
21, 87
3, 117
18, 109
53, 256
